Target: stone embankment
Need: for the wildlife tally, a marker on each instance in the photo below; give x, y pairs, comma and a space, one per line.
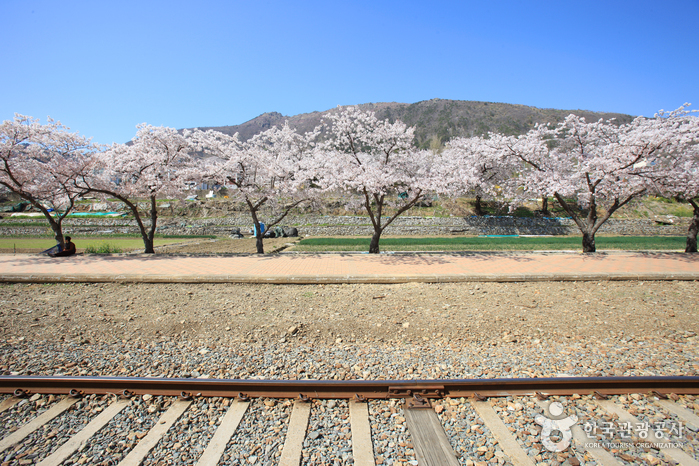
319, 225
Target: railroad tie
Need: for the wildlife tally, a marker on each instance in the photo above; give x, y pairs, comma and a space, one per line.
431, 444
691, 419
505, 438
9, 403
37, 422
136, 456
674, 454
362, 447
223, 434
79, 439
599, 453
296, 433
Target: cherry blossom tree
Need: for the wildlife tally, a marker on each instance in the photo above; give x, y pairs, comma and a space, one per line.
375, 160
679, 179
268, 172
674, 172
156, 163
39, 162
598, 164
478, 166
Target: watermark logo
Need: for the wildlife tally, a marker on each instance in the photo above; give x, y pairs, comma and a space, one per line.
666, 433
603, 434
549, 426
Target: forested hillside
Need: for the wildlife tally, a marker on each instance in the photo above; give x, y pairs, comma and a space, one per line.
436, 120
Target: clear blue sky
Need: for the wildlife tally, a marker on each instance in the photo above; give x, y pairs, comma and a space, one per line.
102, 67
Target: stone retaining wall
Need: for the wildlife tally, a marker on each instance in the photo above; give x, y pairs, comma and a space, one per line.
359, 226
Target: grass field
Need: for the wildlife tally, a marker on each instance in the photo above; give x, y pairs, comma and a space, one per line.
24, 244
480, 243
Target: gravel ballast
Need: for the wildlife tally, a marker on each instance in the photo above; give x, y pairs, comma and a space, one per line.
338, 332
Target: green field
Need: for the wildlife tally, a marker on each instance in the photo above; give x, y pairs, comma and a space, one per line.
41, 244
483, 243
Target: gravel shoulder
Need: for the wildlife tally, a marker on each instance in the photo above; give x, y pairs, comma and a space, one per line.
413, 330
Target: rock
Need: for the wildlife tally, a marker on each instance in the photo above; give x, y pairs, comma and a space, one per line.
154, 408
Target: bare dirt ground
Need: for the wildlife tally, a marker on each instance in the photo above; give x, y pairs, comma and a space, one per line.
539, 329
226, 246
484, 313
196, 246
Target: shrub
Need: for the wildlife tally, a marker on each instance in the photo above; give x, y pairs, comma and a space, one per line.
104, 248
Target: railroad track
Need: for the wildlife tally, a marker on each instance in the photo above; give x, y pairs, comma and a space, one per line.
132, 421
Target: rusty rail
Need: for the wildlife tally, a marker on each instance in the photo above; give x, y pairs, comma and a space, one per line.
358, 389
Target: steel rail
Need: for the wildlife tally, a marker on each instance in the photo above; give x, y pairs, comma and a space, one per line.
359, 389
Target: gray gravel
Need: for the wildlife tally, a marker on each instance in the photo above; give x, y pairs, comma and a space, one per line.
196, 358
188, 438
519, 413
651, 414
48, 438
260, 436
468, 435
328, 438
24, 411
115, 440
389, 433
689, 402
411, 331
608, 429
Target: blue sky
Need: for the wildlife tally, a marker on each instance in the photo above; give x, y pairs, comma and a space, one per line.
103, 67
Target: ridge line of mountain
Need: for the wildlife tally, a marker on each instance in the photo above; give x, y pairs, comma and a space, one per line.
436, 120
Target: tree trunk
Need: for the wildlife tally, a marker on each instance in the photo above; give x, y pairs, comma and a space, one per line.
693, 229
545, 205
149, 238
58, 236
56, 223
479, 207
148, 245
259, 242
57, 232
588, 242
374, 245
588, 227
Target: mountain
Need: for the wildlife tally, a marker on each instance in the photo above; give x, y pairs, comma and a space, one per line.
436, 120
